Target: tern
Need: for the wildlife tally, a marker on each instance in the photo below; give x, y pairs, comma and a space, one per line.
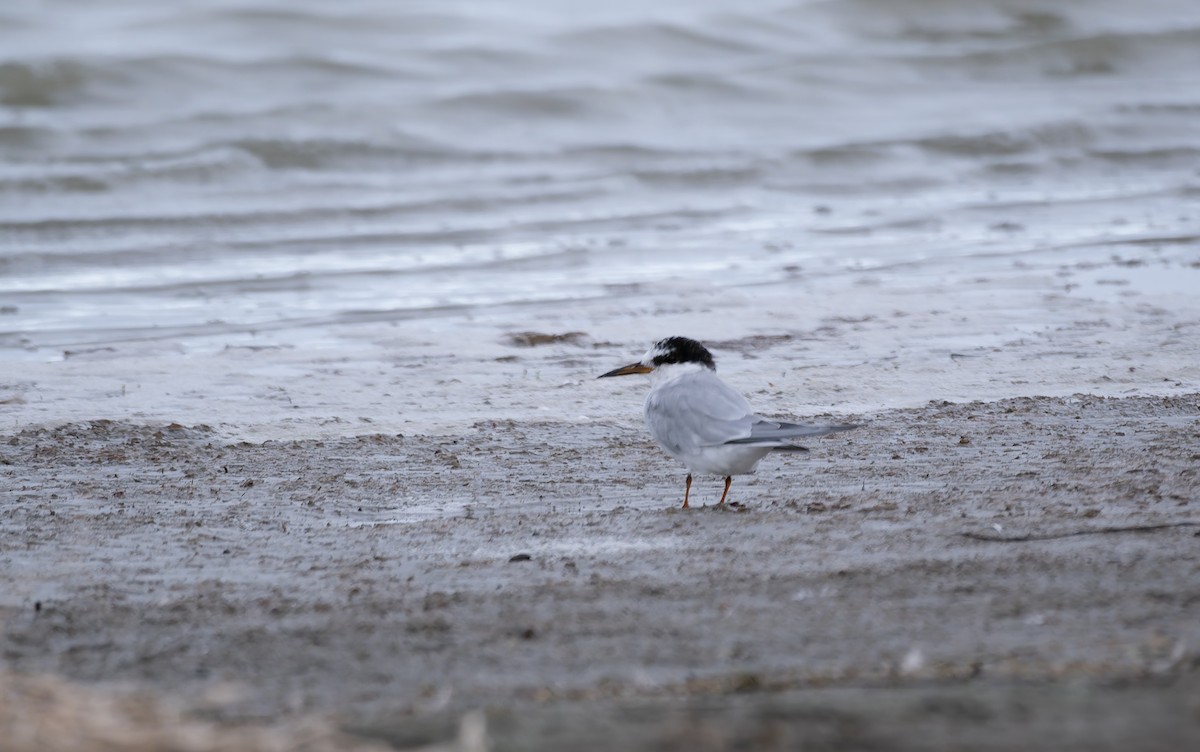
702, 422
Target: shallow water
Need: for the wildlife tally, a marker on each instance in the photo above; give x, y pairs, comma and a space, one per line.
184, 171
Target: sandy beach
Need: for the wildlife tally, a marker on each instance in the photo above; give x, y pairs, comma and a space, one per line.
1028, 560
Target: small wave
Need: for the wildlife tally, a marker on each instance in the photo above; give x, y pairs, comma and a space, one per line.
708, 85
552, 103
1060, 135
630, 152
1172, 156
315, 19
294, 223
325, 153
850, 154
41, 84
21, 136
218, 160
1188, 109
482, 59
285, 65
1065, 135
700, 177
53, 184
1107, 54
660, 39
146, 79
84, 175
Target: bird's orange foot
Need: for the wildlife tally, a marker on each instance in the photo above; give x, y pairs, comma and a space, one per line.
728, 480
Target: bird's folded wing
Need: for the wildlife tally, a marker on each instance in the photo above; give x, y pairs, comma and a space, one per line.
766, 431
695, 412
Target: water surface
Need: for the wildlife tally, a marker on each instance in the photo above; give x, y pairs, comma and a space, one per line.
178, 171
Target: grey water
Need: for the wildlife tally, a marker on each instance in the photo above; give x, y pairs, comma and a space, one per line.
175, 169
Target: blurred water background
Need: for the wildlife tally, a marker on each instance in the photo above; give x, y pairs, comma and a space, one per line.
171, 171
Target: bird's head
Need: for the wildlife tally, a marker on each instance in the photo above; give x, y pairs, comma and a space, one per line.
668, 352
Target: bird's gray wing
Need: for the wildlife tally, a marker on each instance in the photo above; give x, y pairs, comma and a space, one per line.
697, 410
767, 431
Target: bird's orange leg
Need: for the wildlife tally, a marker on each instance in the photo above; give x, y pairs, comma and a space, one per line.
687, 491
728, 480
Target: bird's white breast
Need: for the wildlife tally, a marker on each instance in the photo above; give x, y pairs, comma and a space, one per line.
728, 459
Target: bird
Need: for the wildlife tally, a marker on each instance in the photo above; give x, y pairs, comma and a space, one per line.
702, 421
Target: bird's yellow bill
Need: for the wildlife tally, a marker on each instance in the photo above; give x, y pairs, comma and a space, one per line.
627, 370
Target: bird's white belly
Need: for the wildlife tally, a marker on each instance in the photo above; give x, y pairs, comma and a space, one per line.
725, 459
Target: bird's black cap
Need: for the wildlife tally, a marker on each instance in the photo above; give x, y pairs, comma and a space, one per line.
682, 350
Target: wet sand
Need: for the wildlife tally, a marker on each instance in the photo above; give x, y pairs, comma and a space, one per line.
988, 574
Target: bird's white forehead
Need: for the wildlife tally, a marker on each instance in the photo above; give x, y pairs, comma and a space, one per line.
655, 350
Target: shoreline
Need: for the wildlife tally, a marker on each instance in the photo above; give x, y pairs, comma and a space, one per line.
1051, 323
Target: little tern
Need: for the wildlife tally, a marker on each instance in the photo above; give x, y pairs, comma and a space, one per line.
702, 422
